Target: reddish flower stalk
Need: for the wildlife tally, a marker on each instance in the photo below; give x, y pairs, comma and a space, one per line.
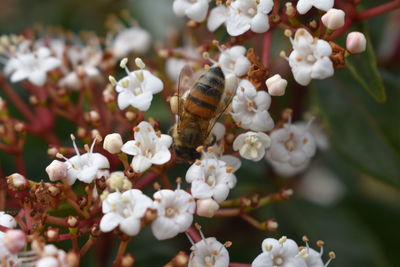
376, 11
266, 48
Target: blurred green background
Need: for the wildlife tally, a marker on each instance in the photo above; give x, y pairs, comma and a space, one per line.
360, 222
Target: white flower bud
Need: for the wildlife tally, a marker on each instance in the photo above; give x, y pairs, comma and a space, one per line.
118, 182
356, 42
17, 181
113, 143
14, 240
333, 19
57, 170
276, 85
206, 207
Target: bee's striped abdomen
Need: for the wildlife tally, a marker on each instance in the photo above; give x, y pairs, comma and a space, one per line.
206, 94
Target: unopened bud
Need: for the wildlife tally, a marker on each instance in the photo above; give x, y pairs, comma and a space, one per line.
72, 221
72, 258
94, 116
276, 85
356, 42
57, 170
174, 104
127, 260
290, 10
14, 240
52, 234
271, 225
113, 143
118, 182
17, 182
206, 207
333, 19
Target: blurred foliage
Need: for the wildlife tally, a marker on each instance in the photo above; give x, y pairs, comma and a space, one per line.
364, 156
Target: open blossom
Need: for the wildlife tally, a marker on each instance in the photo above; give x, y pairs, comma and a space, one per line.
188, 56
175, 213
250, 108
303, 6
210, 178
124, 210
310, 58
283, 252
86, 167
148, 147
193, 9
137, 88
130, 40
51, 256
85, 61
291, 149
208, 252
241, 16
31, 65
252, 145
8, 221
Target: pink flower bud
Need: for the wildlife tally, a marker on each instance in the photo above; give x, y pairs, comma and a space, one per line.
57, 170
14, 240
356, 42
206, 207
333, 19
276, 85
113, 143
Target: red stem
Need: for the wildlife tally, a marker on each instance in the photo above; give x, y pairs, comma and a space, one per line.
376, 11
20, 164
18, 102
266, 48
193, 234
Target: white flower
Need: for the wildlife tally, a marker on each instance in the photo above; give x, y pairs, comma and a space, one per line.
276, 85
137, 89
148, 147
210, 178
241, 16
85, 61
124, 210
291, 149
86, 167
193, 9
303, 6
320, 186
52, 257
252, 145
32, 66
250, 108
234, 60
174, 66
333, 19
175, 213
310, 58
282, 253
8, 221
208, 252
57, 170
128, 40
356, 42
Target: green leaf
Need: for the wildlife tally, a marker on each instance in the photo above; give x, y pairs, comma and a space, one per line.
364, 69
363, 132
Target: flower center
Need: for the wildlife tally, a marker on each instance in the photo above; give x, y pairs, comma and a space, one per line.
278, 261
137, 91
210, 180
170, 212
311, 59
290, 144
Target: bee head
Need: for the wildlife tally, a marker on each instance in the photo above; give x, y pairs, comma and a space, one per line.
187, 154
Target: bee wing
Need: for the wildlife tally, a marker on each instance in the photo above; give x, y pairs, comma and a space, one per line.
185, 82
223, 105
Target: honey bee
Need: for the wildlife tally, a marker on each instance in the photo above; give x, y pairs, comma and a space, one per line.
198, 110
